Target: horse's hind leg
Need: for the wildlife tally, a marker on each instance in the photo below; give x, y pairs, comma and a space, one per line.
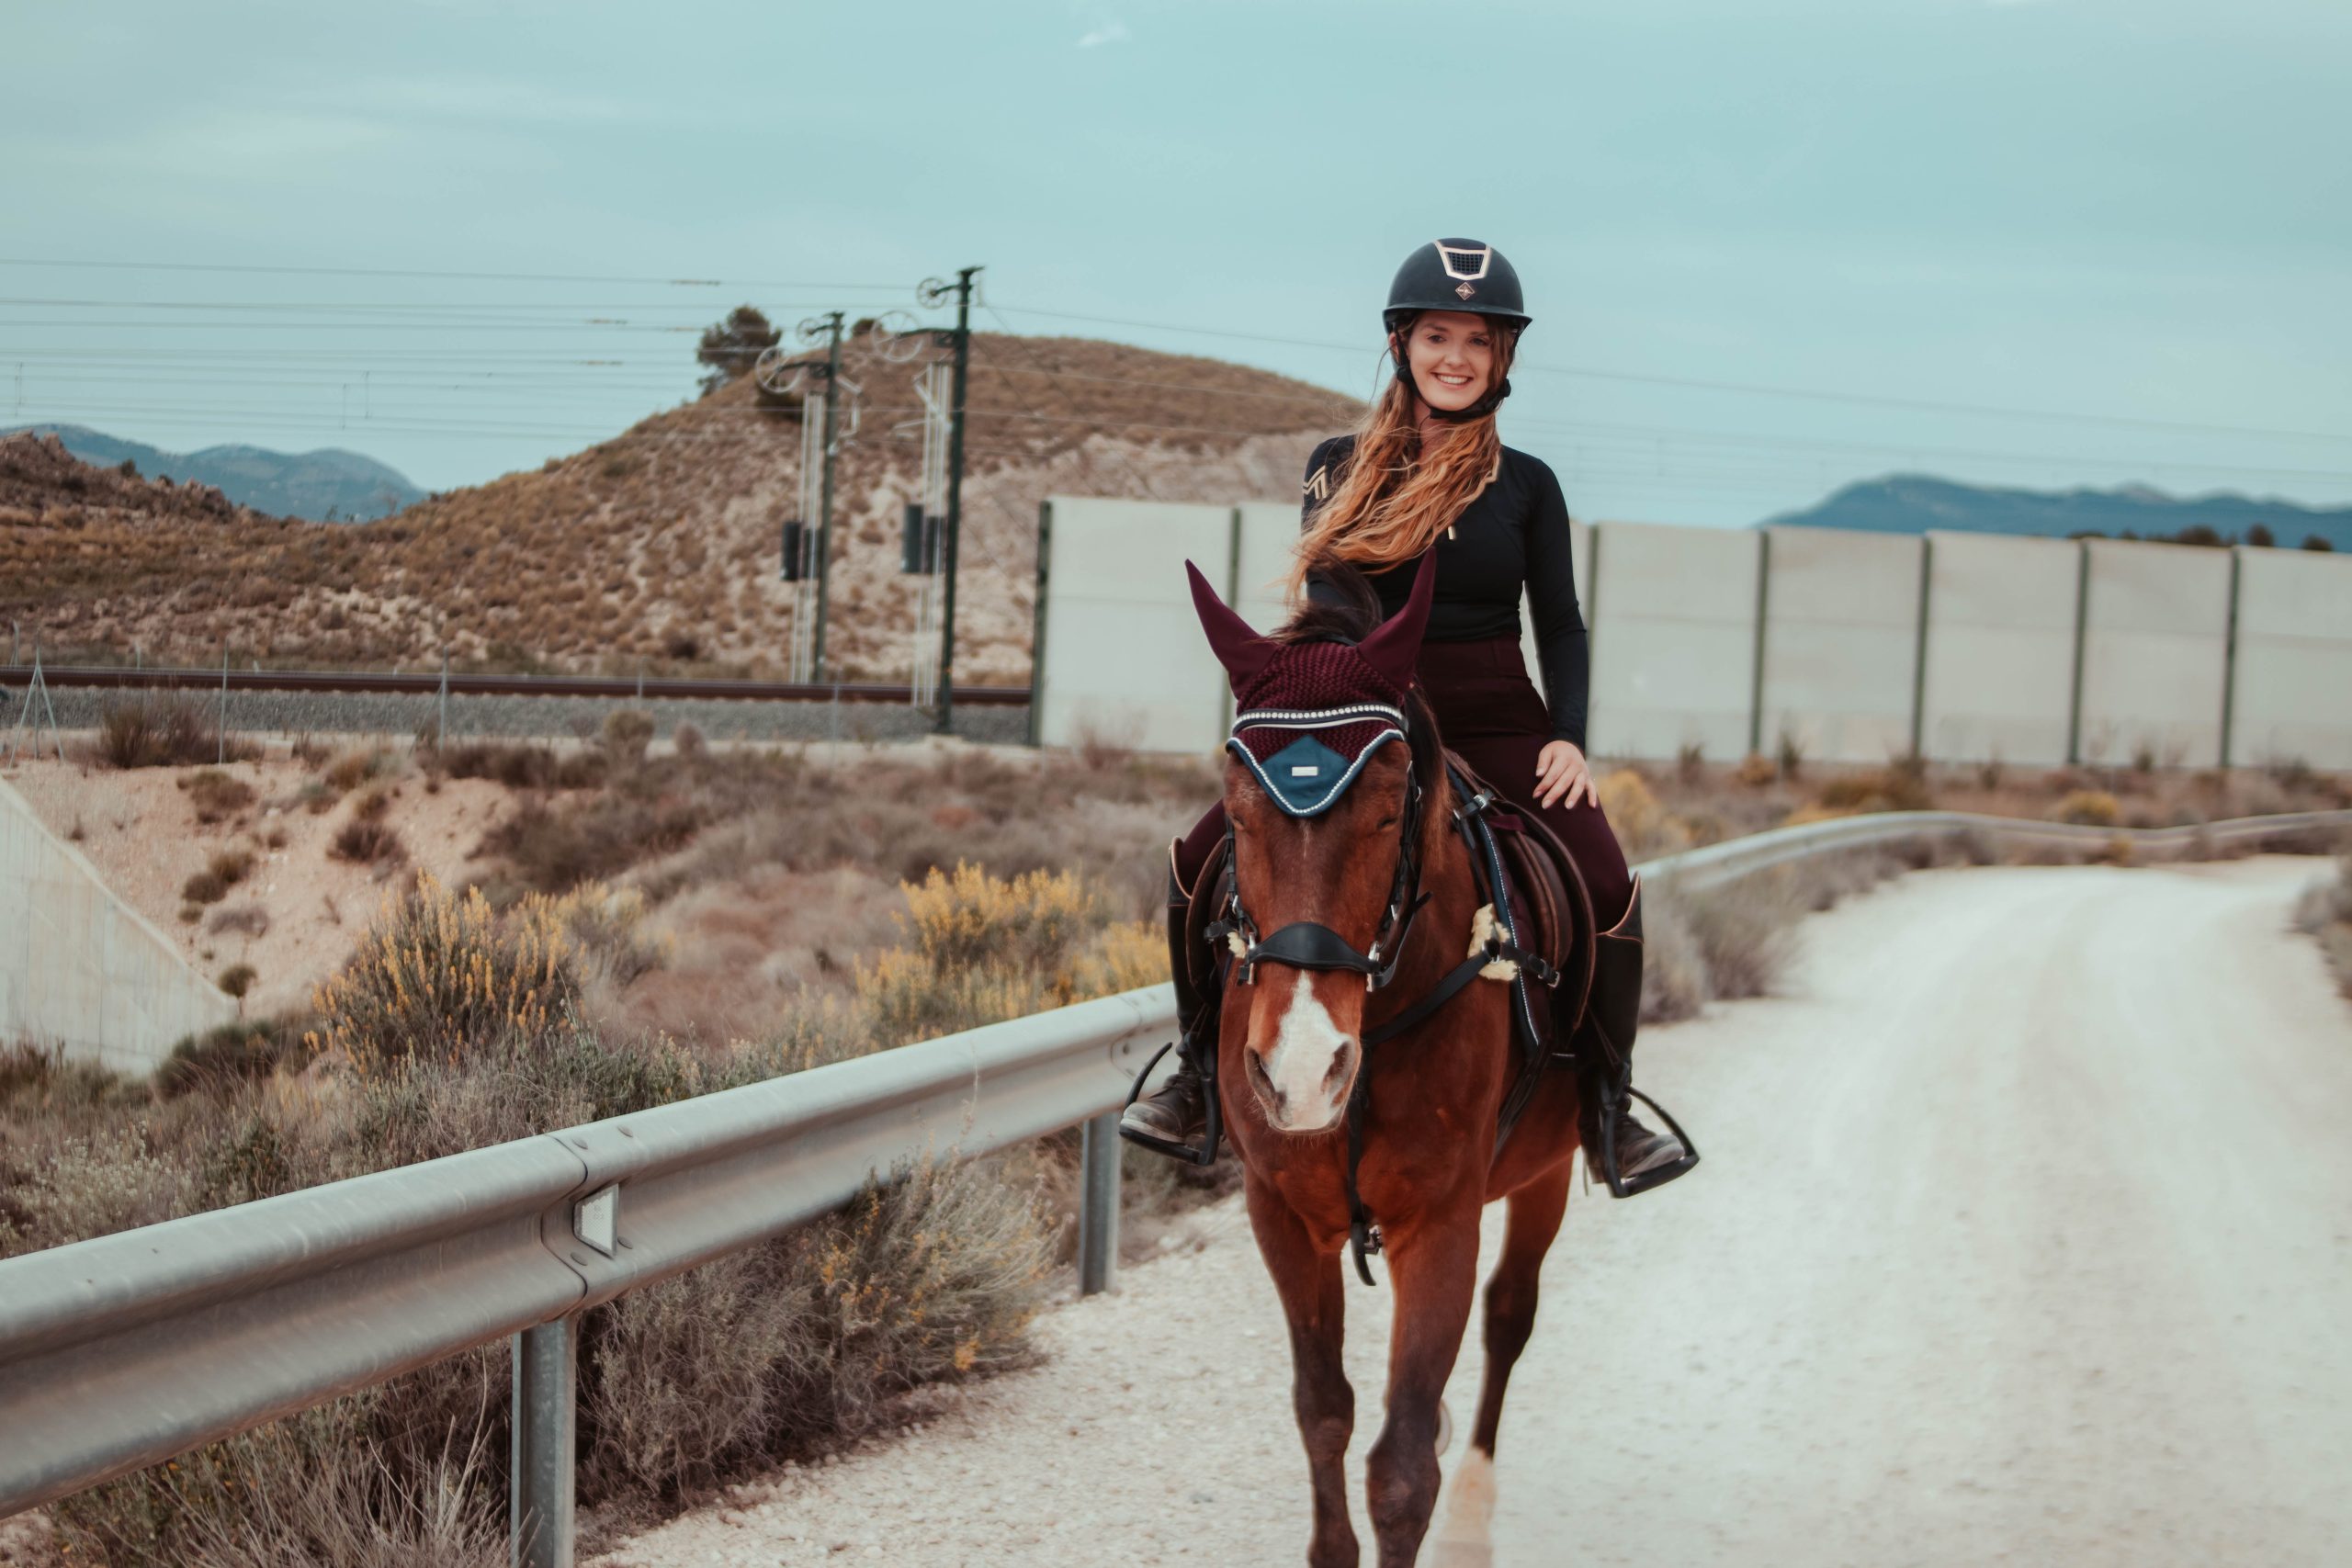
1307, 1280
1533, 1220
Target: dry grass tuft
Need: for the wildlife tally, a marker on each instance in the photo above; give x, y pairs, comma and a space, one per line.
2324, 911
367, 840
163, 730
2094, 807
215, 796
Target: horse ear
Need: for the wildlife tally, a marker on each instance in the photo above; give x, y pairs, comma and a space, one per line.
1242, 651
1395, 646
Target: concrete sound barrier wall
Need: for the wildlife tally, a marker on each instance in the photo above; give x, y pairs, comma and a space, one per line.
1842, 643
2000, 665
2293, 694
2155, 648
80, 969
1674, 639
1270, 529
1120, 653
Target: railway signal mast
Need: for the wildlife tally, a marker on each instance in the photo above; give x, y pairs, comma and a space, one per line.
933, 294
808, 534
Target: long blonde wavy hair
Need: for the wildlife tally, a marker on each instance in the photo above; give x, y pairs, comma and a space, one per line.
1396, 497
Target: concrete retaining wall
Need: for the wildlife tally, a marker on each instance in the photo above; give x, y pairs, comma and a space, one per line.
78, 967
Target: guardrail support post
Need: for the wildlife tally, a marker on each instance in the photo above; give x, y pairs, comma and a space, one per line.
545, 1435
1098, 1204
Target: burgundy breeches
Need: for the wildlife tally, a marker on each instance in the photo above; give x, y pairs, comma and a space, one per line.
1490, 713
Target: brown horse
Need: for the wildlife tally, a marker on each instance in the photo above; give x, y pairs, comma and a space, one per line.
1326, 874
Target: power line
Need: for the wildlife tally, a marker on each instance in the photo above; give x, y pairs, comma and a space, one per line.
1871, 400
424, 272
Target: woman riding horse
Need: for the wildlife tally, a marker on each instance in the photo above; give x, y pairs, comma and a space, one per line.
1427, 472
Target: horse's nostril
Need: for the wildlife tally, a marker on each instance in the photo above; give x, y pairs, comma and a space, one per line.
1342, 1071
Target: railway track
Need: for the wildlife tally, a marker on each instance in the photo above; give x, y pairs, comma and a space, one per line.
425, 683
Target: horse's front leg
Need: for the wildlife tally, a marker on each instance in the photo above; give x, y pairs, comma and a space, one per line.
1432, 1268
1307, 1280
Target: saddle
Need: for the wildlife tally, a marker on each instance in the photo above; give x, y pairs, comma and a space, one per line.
1548, 903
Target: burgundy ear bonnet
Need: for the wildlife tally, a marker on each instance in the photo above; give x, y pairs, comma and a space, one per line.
1308, 715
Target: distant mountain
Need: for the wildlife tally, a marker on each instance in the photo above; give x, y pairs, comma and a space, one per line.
328, 485
1913, 503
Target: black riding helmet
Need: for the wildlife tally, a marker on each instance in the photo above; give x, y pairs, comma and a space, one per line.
1469, 275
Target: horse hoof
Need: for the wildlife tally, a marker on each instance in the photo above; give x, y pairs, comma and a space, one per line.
1444, 1428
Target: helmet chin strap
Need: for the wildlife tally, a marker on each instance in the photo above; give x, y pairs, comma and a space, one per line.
1489, 401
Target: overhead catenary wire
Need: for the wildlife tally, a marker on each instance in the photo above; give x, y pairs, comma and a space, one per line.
1876, 399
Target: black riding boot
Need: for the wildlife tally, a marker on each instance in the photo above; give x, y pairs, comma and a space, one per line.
1619, 1149
1171, 1117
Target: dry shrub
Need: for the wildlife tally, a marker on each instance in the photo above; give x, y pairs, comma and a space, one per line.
326, 1486
1755, 770
199, 889
515, 766
2094, 807
1746, 933
441, 974
230, 1054
987, 948
163, 730
353, 769
367, 840
550, 849
1674, 970
2324, 911
237, 979
805, 1341
1642, 823
628, 731
1899, 786
687, 740
215, 796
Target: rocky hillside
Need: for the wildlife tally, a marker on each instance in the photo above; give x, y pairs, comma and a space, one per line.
658, 548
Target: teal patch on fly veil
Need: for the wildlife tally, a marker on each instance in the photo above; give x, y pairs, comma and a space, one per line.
1306, 757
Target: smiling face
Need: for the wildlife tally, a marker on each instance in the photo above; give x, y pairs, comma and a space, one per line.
1452, 356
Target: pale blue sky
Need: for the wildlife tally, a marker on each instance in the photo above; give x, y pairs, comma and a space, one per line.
2132, 209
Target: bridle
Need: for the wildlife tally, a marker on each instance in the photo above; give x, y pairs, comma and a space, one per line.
1309, 944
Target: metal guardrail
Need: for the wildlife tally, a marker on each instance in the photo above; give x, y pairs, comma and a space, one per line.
429, 682
121, 1351
1715, 865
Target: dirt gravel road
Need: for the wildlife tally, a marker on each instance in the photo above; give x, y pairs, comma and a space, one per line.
2024, 1235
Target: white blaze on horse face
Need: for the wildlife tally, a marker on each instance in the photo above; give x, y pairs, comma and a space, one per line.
1307, 1047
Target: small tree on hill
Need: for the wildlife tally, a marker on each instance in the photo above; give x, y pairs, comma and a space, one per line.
2316, 542
2260, 536
732, 346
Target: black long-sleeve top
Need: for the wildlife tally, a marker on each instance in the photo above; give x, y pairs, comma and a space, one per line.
1513, 536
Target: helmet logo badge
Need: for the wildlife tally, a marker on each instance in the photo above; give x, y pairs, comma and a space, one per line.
1482, 255
1463, 290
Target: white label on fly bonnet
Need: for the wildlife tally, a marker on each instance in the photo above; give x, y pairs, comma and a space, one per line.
1305, 770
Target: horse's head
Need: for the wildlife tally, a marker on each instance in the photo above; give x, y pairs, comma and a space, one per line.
1326, 818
